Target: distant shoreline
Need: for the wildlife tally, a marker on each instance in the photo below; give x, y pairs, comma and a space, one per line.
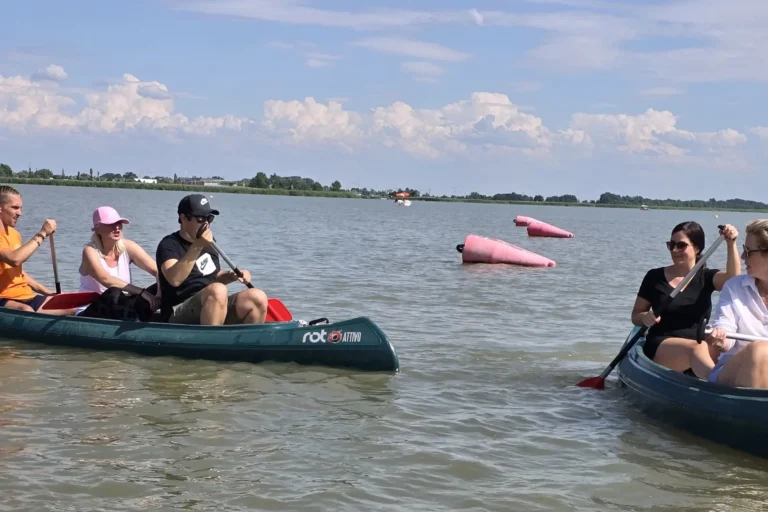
329, 193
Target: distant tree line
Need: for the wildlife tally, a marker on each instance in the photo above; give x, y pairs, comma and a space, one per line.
299, 183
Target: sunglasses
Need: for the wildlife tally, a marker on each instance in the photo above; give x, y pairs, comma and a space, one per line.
200, 219
749, 252
680, 246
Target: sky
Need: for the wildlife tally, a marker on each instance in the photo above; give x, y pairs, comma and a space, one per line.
664, 99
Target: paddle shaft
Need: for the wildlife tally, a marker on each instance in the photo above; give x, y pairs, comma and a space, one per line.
216, 248
737, 336
275, 308
236, 270
55, 266
628, 346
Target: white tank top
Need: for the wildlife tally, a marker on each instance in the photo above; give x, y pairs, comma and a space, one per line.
121, 271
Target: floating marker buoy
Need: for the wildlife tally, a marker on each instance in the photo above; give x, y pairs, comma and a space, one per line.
479, 249
539, 228
522, 220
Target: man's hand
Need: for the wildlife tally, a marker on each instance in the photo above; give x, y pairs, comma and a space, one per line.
49, 226
246, 277
205, 238
229, 276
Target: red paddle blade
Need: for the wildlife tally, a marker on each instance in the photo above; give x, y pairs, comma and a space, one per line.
277, 312
592, 382
70, 300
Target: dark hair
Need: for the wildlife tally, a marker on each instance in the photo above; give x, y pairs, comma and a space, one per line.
695, 234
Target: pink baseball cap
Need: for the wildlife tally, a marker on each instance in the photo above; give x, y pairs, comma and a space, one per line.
107, 215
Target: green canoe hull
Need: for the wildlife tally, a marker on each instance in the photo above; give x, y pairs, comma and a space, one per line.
355, 343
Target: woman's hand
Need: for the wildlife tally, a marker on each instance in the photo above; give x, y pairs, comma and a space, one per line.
716, 339
730, 233
154, 300
649, 319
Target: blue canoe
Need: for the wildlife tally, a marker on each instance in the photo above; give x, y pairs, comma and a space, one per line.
356, 343
736, 417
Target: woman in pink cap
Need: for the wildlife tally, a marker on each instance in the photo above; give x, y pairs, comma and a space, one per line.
107, 258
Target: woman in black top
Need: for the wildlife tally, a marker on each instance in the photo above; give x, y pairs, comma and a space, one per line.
671, 338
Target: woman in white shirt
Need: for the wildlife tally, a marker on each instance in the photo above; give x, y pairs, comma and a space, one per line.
743, 308
107, 257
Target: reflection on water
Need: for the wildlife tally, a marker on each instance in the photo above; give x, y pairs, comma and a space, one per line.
484, 414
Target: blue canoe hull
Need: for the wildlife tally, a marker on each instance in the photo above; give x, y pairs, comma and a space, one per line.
736, 417
355, 343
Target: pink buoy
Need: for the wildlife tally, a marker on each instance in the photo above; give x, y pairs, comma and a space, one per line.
522, 220
539, 228
479, 249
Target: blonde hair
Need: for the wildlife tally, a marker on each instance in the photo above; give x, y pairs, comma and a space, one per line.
759, 228
95, 242
6, 191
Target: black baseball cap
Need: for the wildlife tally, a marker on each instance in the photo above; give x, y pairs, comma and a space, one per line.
197, 205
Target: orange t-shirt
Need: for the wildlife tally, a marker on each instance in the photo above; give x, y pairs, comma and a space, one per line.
13, 283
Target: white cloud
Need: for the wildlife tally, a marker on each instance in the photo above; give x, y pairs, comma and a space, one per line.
423, 70
128, 105
314, 59
526, 86
154, 90
319, 60
652, 133
312, 122
53, 73
299, 13
485, 122
693, 40
476, 16
24, 103
661, 91
412, 48
317, 63
483, 126
760, 131
490, 124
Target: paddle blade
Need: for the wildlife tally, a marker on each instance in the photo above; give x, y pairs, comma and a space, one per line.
70, 300
277, 312
592, 382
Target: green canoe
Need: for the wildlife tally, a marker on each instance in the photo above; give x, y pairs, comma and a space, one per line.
356, 343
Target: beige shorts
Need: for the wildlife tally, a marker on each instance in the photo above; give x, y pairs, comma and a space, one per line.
188, 312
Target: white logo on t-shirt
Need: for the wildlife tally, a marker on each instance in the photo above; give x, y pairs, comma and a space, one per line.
205, 264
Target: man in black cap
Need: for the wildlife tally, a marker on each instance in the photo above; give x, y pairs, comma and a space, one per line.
193, 285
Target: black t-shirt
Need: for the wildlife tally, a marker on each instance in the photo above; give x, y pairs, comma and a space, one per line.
203, 273
686, 310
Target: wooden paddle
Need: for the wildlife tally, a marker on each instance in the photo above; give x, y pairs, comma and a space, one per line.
55, 269
599, 381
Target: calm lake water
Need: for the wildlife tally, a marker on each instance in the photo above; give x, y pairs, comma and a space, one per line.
484, 414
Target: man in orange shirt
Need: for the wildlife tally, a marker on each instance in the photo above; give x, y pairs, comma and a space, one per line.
17, 288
